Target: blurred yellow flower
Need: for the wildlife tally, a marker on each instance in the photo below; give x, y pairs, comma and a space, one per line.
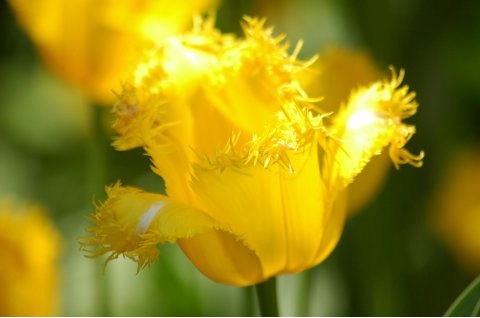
336, 73
95, 44
254, 177
29, 251
456, 209
333, 76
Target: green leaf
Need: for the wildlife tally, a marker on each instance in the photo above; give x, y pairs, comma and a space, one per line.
468, 303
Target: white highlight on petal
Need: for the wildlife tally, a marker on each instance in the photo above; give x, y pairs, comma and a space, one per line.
147, 218
361, 119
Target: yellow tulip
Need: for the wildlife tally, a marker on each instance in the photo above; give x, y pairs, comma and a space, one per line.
254, 177
29, 250
95, 44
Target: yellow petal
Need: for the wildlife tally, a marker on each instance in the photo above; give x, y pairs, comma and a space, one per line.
334, 221
132, 222
284, 217
371, 121
224, 258
260, 76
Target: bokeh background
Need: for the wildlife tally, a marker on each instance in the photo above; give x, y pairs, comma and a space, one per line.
393, 258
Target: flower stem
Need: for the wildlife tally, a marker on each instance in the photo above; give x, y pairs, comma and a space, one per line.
96, 160
305, 291
95, 177
250, 304
267, 298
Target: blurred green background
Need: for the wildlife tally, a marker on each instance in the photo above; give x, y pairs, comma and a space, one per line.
389, 262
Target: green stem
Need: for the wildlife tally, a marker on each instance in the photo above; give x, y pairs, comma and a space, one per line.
267, 298
306, 291
249, 306
96, 160
95, 178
